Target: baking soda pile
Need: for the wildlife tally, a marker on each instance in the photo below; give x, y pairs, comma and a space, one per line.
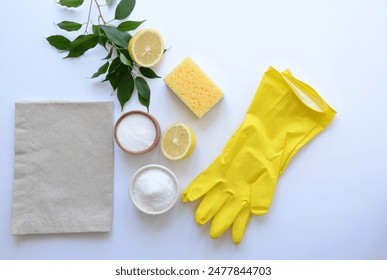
154, 190
136, 132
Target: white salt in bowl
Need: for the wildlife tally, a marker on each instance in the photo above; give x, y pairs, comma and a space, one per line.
137, 132
154, 189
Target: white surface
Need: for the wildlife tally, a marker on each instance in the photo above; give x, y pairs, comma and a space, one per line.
330, 203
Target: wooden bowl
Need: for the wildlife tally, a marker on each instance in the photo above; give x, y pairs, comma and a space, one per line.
150, 117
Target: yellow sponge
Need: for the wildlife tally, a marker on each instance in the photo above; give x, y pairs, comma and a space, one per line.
193, 87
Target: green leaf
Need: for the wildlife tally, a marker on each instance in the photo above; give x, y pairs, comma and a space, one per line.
125, 52
115, 64
109, 55
149, 73
81, 44
125, 61
115, 77
118, 37
58, 41
101, 70
144, 102
124, 9
102, 40
129, 25
108, 2
69, 25
71, 3
115, 73
143, 92
96, 29
125, 89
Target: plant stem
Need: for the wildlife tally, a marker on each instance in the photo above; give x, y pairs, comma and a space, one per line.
88, 16
135, 70
100, 12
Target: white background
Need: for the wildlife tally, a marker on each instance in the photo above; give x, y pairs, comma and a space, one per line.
330, 203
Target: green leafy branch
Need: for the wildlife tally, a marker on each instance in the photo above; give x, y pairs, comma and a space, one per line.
123, 74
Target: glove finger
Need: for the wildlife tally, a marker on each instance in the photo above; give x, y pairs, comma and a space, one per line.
225, 217
262, 194
210, 205
240, 224
199, 186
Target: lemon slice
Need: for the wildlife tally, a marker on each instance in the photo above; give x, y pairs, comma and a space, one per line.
146, 47
178, 141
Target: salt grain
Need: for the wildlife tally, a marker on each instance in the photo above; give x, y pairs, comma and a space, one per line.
154, 189
136, 132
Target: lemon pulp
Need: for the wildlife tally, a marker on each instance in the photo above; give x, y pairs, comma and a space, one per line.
178, 141
146, 47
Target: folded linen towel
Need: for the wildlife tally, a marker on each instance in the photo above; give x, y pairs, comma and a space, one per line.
63, 168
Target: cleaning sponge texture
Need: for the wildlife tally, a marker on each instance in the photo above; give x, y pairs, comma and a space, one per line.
193, 87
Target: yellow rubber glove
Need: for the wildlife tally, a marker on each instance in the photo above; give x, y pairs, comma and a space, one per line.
283, 116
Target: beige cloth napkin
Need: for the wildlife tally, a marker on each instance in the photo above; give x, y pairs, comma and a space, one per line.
63, 172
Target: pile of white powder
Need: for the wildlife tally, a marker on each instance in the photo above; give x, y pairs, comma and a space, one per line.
154, 190
136, 132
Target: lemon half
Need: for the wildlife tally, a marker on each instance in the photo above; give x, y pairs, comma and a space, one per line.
146, 47
178, 141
